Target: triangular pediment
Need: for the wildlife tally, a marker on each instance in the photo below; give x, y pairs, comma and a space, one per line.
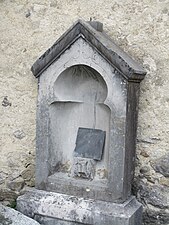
93, 34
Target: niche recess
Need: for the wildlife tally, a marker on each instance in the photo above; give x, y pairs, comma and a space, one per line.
79, 95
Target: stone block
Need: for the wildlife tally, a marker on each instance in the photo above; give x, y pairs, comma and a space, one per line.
17, 184
154, 195
83, 168
52, 208
162, 165
9, 216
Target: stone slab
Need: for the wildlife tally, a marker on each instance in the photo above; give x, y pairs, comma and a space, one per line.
89, 143
53, 208
9, 216
53, 221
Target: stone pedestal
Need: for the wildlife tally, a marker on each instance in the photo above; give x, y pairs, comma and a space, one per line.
50, 208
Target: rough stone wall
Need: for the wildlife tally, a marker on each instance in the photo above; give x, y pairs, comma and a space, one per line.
141, 28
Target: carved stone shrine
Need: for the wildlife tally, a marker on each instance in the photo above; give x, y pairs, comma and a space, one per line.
86, 132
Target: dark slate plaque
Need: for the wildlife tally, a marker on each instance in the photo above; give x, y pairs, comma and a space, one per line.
90, 143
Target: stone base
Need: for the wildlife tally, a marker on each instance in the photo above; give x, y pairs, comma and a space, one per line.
50, 208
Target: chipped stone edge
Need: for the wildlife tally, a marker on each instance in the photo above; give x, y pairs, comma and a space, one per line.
71, 208
11, 216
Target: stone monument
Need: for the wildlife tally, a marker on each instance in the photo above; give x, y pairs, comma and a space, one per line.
86, 132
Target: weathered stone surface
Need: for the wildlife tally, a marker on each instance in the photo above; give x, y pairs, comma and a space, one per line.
164, 181
144, 169
144, 153
83, 168
155, 217
19, 134
7, 194
155, 201
155, 195
2, 177
51, 221
44, 205
6, 102
28, 173
162, 165
10, 216
17, 184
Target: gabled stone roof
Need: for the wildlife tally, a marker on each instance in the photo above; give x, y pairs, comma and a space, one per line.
93, 33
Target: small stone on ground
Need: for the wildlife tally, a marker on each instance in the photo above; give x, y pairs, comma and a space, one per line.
9, 216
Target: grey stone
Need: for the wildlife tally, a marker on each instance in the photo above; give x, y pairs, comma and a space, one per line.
83, 168
155, 195
19, 134
28, 14
44, 205
164, 181
28, 173
162, 165
96, 25
8, 195
144, 169
155, 217
152, 140
144, 153
6, 102
16, 185
2, 181
155, 201
10, 216
150, 178
90, 143
4, 221
2, 177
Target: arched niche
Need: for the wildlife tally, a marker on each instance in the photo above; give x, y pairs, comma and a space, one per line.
79, 96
